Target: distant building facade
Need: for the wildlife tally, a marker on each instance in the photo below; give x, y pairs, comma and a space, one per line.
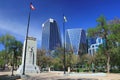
94, 47
76, 39
90, 41
50, 35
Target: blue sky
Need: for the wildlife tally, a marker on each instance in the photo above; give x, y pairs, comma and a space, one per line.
79, 13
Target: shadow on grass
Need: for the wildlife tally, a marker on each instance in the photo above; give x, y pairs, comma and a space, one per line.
8, 77
61, 79
77, 79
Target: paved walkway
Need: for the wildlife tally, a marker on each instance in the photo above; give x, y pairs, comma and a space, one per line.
57, 75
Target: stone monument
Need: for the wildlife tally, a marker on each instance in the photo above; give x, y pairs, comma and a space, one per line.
30, 65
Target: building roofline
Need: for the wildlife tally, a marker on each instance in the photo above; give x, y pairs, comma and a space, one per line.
47, 21
75, 29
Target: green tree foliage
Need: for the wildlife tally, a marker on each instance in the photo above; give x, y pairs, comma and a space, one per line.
11, 46
2, 57
16, 48
115, 39
42, 60
100, 60
86, 61
6, 40
58, 58
71, 58
109, 31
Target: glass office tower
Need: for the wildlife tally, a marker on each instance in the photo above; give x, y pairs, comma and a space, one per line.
50, 35
76, 39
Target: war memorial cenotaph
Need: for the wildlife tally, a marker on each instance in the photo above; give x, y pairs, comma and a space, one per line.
30, 63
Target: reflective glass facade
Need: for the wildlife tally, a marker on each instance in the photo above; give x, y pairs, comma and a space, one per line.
91, 41
76, 39
50, 35
94, 47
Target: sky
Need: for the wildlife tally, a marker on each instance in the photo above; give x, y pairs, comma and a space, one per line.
79, 14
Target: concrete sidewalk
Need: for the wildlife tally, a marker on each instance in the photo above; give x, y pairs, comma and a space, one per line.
58, 75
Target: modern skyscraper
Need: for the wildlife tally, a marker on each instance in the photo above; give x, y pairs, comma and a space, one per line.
50, 35
76, 39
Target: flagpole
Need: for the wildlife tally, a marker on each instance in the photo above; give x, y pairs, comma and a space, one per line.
26, 42
64, 44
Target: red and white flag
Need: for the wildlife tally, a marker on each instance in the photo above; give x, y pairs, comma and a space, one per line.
32, 7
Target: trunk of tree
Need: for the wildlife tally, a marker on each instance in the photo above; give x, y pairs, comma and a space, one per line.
107, 54
4, 67
16, 66
108, 64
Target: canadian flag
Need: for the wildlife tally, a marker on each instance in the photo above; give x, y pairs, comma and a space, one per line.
32, 7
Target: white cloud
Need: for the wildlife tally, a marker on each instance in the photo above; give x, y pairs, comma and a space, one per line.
19, 30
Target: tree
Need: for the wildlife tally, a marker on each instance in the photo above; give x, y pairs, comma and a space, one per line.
100, 59
2, 58
87, 61
109, 31
5, 40
115, 39
10, 44
102, 30
58, 58
42, 60
16, 47
71, 58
